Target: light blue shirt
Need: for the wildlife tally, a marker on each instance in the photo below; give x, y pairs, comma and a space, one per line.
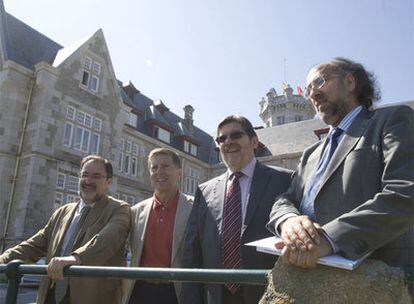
345, 124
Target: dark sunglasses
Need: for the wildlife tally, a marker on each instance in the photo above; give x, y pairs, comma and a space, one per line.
233, 136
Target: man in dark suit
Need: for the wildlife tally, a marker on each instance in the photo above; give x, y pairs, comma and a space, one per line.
229, 211
358, 197
91, 231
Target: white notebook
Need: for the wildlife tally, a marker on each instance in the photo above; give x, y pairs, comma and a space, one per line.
267, 245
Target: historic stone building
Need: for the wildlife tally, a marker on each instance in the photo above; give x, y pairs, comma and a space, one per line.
58, 104
286, 108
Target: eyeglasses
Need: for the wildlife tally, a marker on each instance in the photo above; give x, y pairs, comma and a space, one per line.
233, 136
318, 83
96, 176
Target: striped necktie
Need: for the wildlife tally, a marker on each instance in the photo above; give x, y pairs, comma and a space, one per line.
231, 228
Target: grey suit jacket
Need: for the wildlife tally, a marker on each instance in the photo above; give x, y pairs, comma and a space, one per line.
139, 218
365, 202
202, 242
101, 241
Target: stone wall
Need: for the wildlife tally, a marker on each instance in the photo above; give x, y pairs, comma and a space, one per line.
372, 282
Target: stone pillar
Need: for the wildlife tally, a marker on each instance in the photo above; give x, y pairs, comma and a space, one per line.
372, 282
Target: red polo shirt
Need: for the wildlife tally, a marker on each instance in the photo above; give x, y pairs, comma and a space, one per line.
158, 240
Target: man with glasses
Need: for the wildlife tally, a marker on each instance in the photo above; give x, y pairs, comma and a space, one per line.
229, 211
353, 191
91, 231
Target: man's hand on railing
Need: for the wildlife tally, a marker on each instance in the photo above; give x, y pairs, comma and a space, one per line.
57, 264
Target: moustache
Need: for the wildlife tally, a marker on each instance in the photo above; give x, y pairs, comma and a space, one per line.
84, 185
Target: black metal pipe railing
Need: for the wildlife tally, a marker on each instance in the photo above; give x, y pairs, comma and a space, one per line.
16, 269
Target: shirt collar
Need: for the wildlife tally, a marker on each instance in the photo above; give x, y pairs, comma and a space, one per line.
82, 205
349, 118
158, 204
248, 170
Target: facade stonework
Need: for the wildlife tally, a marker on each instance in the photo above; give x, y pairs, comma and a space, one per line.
59, 104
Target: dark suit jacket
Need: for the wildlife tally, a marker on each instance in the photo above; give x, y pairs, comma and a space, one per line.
365, 202
101, 241
202, 242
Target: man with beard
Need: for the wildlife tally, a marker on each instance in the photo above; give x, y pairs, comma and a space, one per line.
353, 191
229, 211
91, 231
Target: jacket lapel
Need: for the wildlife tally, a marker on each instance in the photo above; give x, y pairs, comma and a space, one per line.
219, 199
66, 220
92, 217
260, 180
140, 227
347, 144
180, 223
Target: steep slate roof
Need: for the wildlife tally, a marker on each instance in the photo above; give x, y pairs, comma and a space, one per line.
25, 45
291, 137
206, 150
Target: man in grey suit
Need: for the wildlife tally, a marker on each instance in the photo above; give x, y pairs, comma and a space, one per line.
229, 211
358, 197
157, 233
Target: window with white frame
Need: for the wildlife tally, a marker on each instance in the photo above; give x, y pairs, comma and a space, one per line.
129, 155
191, 180
190, 148
162, 134
73, 183
91, 75
193, 150
70, 198
133, 120
67, 189
60, 182
82, 131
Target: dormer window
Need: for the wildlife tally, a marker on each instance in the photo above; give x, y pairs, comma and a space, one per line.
162, 134
133, 120
90, 75
190, 148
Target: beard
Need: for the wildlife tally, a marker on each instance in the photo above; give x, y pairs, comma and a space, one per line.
88, 193
332, 111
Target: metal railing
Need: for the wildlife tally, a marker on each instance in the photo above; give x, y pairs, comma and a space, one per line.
15, 270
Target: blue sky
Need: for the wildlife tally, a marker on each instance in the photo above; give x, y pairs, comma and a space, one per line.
222, 56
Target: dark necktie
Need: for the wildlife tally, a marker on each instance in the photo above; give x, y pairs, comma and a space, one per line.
61, 286
231, 228
307, 204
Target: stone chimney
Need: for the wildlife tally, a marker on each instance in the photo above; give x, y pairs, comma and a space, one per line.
188, 117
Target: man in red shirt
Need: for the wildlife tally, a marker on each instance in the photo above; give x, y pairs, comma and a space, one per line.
158, 226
